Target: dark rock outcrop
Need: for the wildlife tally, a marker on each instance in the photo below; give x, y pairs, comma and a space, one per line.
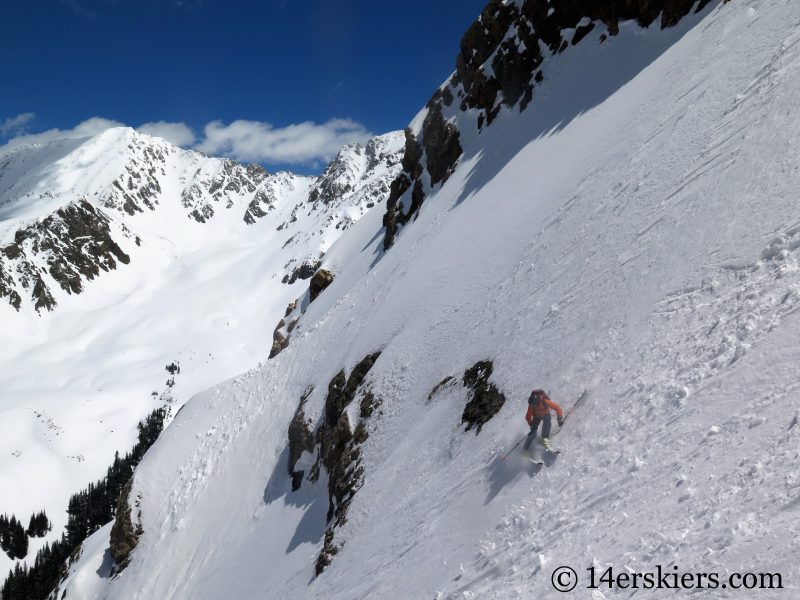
124, 534
329, 550
536, 23
442, 143
280, 337
396, 215
300, 440
500, 63
279, 341
339, 448
304, 271
231, 179
258, 207
138, 187
7, 290
340, 457
320, 280
77, 245
485, 400
42, 296
268, 193
369, 404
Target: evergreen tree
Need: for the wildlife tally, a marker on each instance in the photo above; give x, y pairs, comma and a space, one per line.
38, 525
87, 511
4, 532
15, 541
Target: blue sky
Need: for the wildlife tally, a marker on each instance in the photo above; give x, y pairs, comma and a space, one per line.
280, 82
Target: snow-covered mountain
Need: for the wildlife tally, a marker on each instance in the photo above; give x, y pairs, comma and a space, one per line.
602, 196
354, 182
121, 254
63, 205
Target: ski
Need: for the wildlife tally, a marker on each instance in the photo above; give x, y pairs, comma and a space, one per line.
531, 457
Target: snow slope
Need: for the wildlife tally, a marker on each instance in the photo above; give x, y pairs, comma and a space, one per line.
643, 243
203, 287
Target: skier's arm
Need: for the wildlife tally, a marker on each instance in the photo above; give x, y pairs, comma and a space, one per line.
555, 407
529, 415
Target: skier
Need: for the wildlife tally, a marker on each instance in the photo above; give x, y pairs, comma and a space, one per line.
539, 407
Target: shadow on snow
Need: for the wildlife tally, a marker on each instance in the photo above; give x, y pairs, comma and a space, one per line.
313, 498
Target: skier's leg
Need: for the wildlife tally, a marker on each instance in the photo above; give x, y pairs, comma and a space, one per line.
532, 434
546, 426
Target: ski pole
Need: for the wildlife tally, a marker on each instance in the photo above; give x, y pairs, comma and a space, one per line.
515, 447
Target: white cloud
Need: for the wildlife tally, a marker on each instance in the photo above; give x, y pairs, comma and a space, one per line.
16, 125
302, 143
88, 128
179, 134
251, 141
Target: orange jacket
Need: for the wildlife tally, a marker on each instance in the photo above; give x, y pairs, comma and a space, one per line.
542, 409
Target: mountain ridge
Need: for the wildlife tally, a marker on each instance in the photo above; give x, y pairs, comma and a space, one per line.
93, 191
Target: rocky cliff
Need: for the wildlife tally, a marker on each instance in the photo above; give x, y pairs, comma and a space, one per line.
502, 59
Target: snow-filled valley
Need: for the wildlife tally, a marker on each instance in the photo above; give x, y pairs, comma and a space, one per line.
204, 294
633, 232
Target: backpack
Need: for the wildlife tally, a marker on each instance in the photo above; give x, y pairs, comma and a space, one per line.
536, 397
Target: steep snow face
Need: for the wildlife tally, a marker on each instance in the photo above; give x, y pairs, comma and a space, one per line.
641, 243
125, 254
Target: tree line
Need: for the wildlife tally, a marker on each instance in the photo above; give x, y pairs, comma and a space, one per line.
87, 511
